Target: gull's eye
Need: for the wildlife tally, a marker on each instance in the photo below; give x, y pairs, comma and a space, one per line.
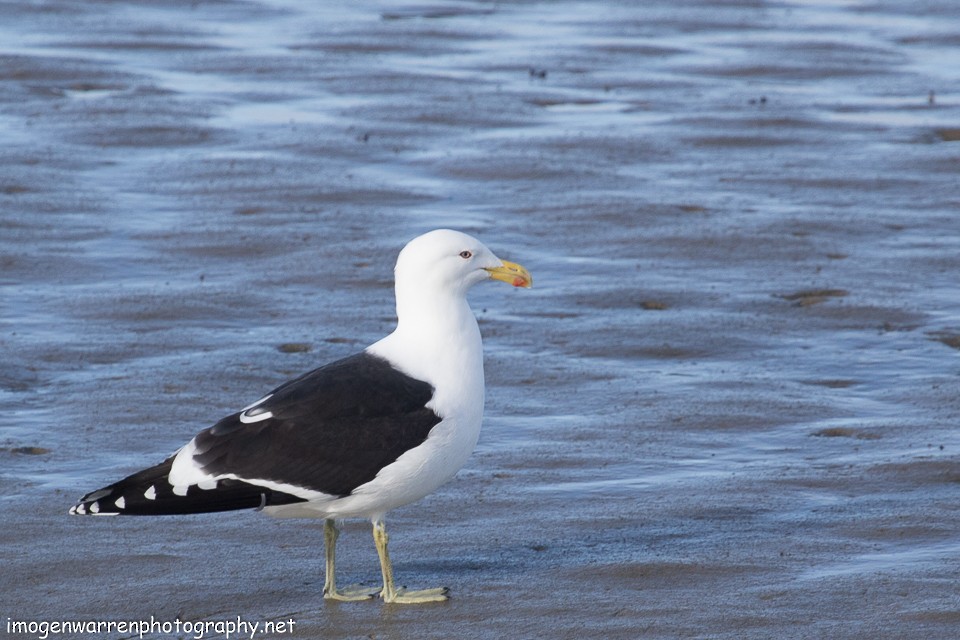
466, 255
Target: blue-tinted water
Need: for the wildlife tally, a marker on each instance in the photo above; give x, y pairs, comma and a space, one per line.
733, 388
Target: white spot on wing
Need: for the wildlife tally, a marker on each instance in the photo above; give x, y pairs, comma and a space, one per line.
121, 503
95, 507
180, 489
257, 417
247, 418
151, 493
185, 471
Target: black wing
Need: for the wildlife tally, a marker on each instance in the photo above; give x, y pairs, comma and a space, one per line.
330, 430
149, 493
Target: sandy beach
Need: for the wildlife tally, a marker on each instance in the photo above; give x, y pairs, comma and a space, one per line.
727, 410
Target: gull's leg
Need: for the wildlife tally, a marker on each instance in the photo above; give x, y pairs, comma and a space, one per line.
330, 534
390, 593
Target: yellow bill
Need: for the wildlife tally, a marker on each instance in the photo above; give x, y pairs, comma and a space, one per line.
512, 273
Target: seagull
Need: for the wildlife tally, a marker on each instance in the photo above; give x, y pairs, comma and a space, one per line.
354, 438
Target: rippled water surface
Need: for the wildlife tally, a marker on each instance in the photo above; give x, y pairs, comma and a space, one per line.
728, 408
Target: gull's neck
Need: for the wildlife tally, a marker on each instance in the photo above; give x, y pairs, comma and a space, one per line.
436, 340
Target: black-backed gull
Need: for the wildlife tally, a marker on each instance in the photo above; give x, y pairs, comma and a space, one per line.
357, 437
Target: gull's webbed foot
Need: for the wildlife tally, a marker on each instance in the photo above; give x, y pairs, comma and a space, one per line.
408, 596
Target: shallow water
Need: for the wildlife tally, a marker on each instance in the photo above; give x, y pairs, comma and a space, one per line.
726, 410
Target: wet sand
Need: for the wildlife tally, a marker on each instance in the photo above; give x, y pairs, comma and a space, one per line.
728, 408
